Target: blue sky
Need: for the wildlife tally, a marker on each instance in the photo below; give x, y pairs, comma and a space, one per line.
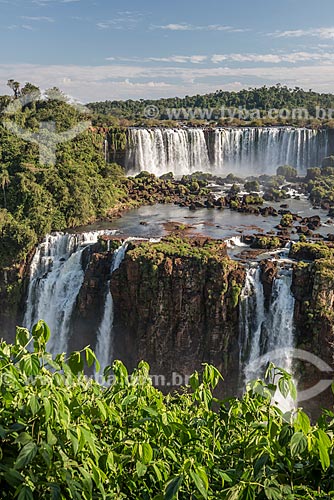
111, 49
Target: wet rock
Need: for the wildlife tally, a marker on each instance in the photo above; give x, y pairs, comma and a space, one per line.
177, 310
269, 271
312, 223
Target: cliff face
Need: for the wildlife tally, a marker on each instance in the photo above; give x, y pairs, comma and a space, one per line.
91, 299
11, 301
177, 308
313, 288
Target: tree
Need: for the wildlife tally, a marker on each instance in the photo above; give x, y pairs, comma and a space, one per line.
288, 172
15, 86
32, 91
5, 181
55, 94
252, 186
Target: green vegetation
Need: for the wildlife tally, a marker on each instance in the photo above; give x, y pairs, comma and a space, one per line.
66, 437
320, 184
252, 186
235, 293
287, 220
266, 242
261, 99
288, 172
310, 251
174, 246
36, 199
252, 199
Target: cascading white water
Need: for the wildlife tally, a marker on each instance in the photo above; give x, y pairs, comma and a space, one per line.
56, 276
223, 150
104, 345
252, 317
267, 331
106, 150
235, 241
167, 150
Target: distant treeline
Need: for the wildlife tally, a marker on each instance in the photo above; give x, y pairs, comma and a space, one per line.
263, 99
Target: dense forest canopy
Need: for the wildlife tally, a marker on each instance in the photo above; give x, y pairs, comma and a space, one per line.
263, 99
35, 198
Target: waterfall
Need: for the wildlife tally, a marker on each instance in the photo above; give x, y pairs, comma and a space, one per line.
235, 241
106, 150
56, 276
159, 151
243, 151
104, 345
263, 331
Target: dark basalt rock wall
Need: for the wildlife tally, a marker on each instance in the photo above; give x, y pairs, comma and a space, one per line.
313, 288
13, 284
91, 300
177, 313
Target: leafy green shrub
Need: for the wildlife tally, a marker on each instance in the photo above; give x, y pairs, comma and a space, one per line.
266, 242
287, 220
252, 186
64, 436
310, 251
288, 172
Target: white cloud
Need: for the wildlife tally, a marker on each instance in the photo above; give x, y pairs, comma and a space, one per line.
293, 57
324, 33
38, 19
116, 81
191, 27
123, 20
197, 59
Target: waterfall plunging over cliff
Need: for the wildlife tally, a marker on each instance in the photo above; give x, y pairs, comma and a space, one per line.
104, 345
56, 276
264, 331
223, 150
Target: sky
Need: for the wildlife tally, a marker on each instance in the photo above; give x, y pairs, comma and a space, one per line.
129, 49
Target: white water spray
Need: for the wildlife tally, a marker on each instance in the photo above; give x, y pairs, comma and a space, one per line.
105, 339
56, 276
242, 151
266, 331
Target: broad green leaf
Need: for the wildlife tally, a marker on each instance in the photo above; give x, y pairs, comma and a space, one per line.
30, 365
13, 477
145, 453
273, 493
303, 422
55, 492
25, 493
284, 387
22, 336
201, 481
41, 332
51, 438
173, 487
26, 455
324, 443
298, 444
76, 363
91, 359
103, 411
141, 469
34, 404
157, 472
47, 408
23, 438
